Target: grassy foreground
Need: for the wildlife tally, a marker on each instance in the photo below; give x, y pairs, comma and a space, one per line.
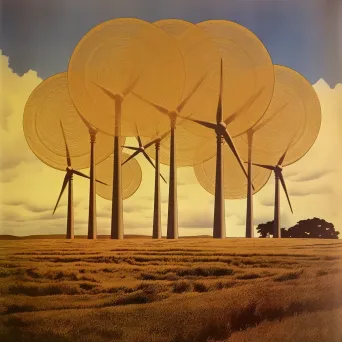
191, 289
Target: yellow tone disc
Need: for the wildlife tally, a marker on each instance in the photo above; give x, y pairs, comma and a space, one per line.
235, 181
120, 56
202, 62
248, 76
131, 177
185, 148
291, 123
48, 109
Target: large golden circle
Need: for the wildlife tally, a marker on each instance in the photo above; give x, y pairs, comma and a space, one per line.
291, 123
131, 177
234, 179
248, 76
202, 64
115, 55
49, 106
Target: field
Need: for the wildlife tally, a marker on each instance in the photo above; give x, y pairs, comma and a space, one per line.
191, 289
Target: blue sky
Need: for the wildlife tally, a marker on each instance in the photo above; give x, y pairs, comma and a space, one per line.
302, 34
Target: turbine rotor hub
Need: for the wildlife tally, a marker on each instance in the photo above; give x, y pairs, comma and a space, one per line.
119, 97
69, 169
223, 125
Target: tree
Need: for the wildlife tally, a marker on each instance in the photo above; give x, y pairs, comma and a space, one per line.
264, 228
315, 228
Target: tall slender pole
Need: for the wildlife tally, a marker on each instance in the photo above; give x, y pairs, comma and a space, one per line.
249, 214
156, 214
172, 219
117, 207
92, 224
70, 219
276, 232
219, 230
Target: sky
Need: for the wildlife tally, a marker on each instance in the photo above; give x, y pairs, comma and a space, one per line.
37, 39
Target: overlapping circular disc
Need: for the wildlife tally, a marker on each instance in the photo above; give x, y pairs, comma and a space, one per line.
186, 146
118, 56
202, 62
235, 181
248, 76
48, 109
131, 177
291, 122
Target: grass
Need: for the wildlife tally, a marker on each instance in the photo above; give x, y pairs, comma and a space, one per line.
189, 290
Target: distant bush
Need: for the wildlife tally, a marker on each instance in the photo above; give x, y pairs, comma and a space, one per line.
288, 276
248, 276
200, 287
320, 273
182, 286
87, 286
35, 290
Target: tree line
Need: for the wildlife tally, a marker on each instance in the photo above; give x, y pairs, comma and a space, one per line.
315, 228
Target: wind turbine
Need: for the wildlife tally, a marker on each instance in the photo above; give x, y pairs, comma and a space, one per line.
92, 221
172, 220
101, 68
222, 135
68, 180
250, 135
292, 117
277, 169
157, 234
117, 205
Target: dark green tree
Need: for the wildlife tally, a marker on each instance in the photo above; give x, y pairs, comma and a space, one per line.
264, 228
314, 228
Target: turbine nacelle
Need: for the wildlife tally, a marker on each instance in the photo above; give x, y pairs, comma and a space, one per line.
278, 168
222, 125
173, 115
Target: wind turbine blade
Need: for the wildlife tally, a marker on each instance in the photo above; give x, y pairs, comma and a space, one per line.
78, 173
89, 126
131, 157
130, 87
186, 100
219, 115
106, 91
65, 182
282, 158
268, 167
284, 187
245, 106
163, 178
131, 148
264, 123
160, 108
205, 123
98, 181
232, 147
85, 176
148, 158
151, 143
138, 135
66, 145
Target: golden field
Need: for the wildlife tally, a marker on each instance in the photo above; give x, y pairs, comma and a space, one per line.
190, 289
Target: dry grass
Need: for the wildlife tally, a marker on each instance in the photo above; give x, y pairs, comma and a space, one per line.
144, 290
